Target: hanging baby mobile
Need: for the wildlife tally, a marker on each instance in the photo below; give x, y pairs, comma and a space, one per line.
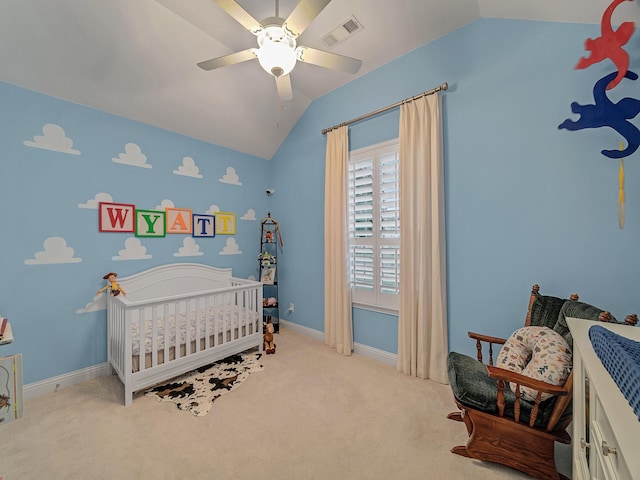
604, 112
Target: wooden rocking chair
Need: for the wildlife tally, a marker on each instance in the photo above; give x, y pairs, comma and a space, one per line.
504, 427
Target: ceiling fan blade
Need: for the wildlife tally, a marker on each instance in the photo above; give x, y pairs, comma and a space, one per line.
226, 60
304, 13
328, 59
240, 15
283, 84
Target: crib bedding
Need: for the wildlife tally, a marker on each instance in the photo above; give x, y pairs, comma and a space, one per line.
220, 318
222, 337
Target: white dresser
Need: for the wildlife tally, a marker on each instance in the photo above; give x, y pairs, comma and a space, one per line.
606, 432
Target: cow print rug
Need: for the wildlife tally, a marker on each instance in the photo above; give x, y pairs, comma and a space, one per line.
196, 391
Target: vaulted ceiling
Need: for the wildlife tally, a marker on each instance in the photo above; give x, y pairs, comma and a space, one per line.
137, 58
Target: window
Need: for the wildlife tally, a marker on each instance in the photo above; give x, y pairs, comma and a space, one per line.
374, 226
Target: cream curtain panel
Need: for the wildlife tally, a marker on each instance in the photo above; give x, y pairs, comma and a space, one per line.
422, 322
338, 324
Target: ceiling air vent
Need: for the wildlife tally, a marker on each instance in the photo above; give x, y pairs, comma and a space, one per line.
343, 31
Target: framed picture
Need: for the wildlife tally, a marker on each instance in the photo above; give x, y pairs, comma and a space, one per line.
10, 388
268, 275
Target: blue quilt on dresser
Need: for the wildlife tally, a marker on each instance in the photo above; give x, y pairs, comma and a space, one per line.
621, 358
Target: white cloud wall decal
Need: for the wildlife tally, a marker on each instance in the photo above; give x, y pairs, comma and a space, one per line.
55, 251
249, 215
133, 250
231, 177
189, 249
188, 168
93, 203
231, 248
132, 156
164, 204
99, 303
54, 139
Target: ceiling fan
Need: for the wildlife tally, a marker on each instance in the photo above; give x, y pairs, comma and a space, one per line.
277, 50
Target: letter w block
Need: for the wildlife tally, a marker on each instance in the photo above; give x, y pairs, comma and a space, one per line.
116, 217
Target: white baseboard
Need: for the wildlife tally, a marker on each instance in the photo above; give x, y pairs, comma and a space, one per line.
309, 332
53, 384
358, 348
376, 354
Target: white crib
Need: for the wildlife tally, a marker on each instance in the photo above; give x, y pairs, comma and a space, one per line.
178, 317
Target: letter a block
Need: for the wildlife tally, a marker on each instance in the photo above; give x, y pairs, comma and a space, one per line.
179, 220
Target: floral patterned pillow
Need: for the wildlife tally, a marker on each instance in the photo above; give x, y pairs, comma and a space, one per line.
539, 353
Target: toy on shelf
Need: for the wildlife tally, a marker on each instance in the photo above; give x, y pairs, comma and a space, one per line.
266, 259
270, 302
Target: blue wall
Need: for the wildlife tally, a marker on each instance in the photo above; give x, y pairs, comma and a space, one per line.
58, 325
525, 202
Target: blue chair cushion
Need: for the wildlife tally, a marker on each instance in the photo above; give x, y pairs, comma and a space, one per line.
473, 388
545, 310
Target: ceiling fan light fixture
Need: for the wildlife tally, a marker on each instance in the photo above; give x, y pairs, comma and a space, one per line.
277, 52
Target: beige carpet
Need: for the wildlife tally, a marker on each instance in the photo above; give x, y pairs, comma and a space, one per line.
311, 414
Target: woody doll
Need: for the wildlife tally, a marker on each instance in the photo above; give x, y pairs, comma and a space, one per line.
111, 285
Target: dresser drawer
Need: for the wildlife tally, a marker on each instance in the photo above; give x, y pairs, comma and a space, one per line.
604, 445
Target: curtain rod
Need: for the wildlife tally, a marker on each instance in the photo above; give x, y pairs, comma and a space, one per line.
439, 88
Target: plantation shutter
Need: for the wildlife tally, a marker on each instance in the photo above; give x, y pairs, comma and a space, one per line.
361, 223
389, 223
374, 226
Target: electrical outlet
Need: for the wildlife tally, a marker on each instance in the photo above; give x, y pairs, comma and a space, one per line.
291, 307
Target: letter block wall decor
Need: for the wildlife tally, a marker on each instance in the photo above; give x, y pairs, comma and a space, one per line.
116, 217
179, 220
151, 223
204, 225
126, 218
225, 223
